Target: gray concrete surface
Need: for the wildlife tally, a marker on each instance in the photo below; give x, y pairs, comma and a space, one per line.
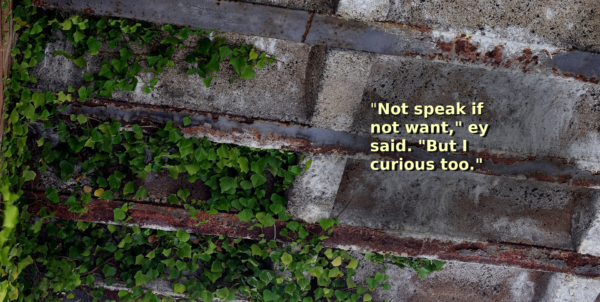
566, 24
314, 191
464, 206
526, 114
469, 282
277, 92
319, 6
565, 288
563, 23
590, 239
344, 76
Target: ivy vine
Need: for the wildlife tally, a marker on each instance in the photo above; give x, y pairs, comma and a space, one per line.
43, 257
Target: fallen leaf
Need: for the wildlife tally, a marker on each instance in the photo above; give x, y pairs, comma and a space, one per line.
99, 192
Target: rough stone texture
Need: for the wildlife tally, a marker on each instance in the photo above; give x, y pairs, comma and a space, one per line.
569, 23
319, 6
466, 206
527, 115
364, 10
458, 281
277, 92
314, 191
590, 237
345, 76
567, 288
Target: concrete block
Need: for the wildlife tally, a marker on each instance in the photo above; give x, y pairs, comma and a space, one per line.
527, 114
344, 79
463, 206
566, 24
277, 92
314, 191
567, 288
590, 237
458, 281
366, 10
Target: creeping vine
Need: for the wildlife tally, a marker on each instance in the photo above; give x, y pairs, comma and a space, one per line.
43, 257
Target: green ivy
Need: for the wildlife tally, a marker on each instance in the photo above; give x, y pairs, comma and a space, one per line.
41, 257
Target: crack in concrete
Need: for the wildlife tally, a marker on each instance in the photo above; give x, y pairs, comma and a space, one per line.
308, 27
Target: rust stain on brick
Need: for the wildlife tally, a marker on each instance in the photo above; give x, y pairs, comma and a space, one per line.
549, 169
347, 237
40, 3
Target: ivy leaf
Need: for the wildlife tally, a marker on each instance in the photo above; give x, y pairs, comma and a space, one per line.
252, 55
276, 208
114, 181
308, 163
304, 284
326, 223
170, 40
225, 51
227, 183
153, 59
93, 45
212, 276
192, 169
140, 260
141, 193
105, 71
286, 258
204, 46
265, 219
80, 62
107, 195
238, 63
39, 99
66, 168
119, 214
183, 235
258, 180
29, 112
129, 188
187, 121
184, 33
270, 296
246, 215
184, 251
67, 24
353, 264
78, 36
125, 53
243, 162
109, 271
28, 175
178, 288
83, 94
141, 278
246, 185
81, 118
207, 296
337, 261
183, 194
